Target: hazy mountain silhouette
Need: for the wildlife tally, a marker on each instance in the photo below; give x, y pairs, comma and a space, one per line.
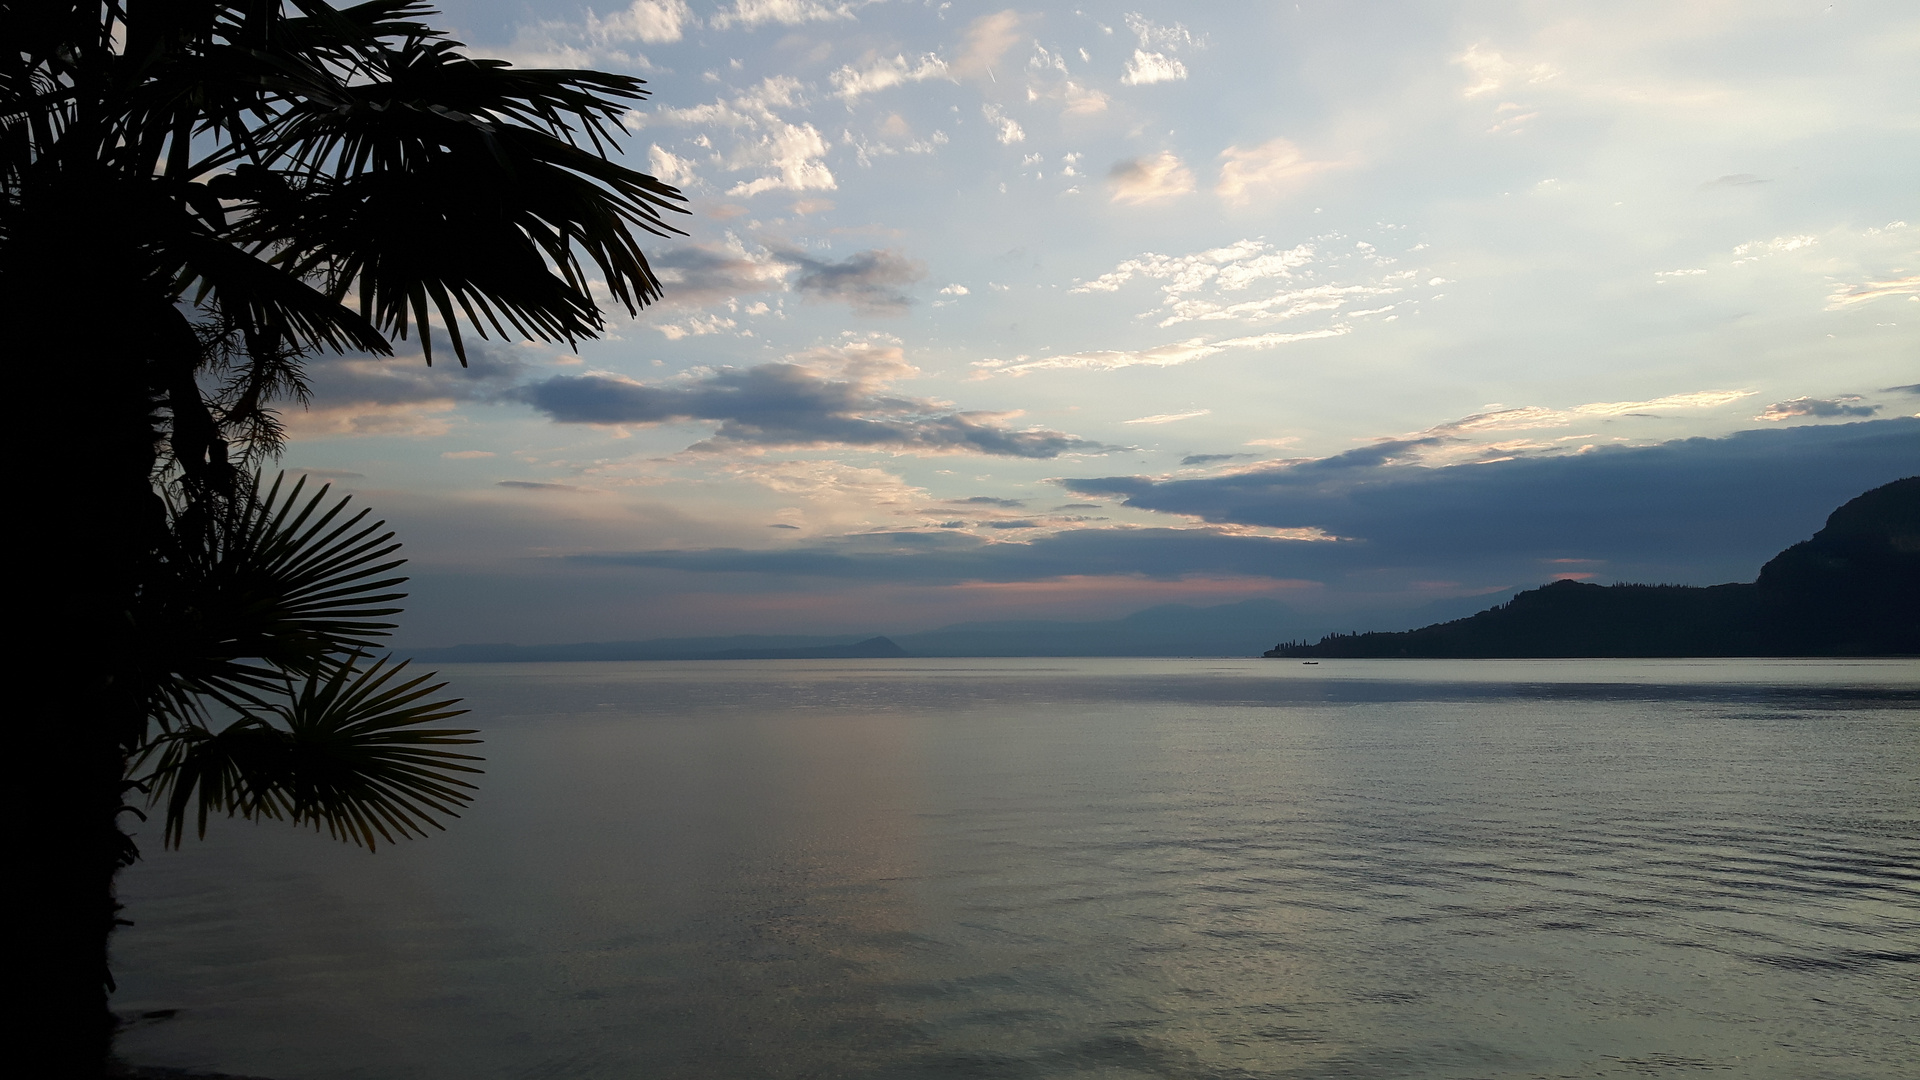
1851, 590
1236, 629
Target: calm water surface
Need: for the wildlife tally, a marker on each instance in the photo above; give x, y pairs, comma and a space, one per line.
1090, 868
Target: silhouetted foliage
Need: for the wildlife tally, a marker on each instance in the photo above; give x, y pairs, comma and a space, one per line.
196, 196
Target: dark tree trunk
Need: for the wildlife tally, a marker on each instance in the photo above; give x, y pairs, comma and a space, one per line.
85, 430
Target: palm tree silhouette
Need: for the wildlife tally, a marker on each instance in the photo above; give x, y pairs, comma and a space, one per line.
198, 195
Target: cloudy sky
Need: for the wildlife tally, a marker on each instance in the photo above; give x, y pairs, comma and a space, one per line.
1061, 311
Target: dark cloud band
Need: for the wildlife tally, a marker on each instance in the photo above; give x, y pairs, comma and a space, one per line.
793, 406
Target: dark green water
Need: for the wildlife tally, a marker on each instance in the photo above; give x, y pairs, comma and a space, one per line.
1091, 868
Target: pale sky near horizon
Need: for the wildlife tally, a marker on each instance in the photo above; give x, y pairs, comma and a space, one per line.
1060, 311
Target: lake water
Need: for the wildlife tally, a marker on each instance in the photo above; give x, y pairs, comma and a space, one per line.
1089, 868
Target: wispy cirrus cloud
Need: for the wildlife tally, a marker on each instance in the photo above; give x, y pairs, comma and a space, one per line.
1169, 355
1264, 170
1223, 283
1532, 417
985, 44
1847, 296
1168, 418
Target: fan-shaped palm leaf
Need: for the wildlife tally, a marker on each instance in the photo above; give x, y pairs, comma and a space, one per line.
266, 578
348, 754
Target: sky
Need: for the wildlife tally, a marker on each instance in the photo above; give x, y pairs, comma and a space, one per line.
1061, 311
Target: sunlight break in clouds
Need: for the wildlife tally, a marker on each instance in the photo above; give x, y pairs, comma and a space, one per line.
1272, 166
1149, 179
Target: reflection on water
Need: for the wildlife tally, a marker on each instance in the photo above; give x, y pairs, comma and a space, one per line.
1085, 868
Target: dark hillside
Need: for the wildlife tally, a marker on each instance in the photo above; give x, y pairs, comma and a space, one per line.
1851, 590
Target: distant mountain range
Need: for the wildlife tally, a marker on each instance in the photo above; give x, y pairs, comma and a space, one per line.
1237, 629
1851, 590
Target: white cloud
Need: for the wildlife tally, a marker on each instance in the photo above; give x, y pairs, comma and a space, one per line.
954, 290
1757, 249
747, 14
1081, 101
652, 21
849, 83
1288, 304
1049, 79
696, 326
1699, 399
1151, 67
1154, 35
1186, 273
1006, 129
1269, 167
1464, 438
677, 171
1228, 269
416, 419
1168, 418
834, 497
1848, 295
595, 42
1846, 405
794, 152
698, 275
1171, 355
1149, 179
1489, 72
762, 139
986, 42
1223, 274
753, 108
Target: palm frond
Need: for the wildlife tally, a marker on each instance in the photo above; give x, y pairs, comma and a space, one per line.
267, 578
443, 185
348, 755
